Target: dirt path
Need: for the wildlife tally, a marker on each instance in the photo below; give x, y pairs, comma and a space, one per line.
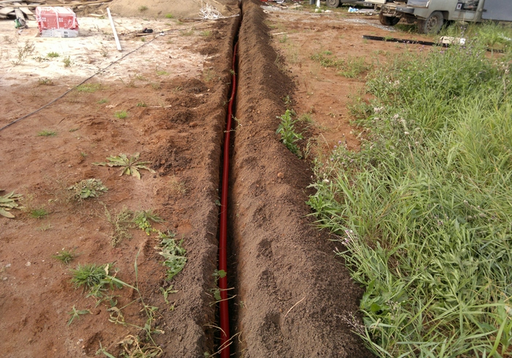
292, 296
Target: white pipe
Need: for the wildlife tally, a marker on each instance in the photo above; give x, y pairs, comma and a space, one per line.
118, 44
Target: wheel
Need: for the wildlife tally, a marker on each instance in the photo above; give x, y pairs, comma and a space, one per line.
432, 24
388, 20
333, 3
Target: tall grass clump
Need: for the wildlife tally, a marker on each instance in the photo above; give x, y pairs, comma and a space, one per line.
424, 208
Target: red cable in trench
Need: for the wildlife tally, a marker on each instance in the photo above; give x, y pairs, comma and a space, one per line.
223, 281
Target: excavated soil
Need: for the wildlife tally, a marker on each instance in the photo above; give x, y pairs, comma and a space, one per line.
291, 297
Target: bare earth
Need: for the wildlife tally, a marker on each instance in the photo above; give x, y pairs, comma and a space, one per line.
293, 296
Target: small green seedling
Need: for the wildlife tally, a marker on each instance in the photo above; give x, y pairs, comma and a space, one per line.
121, 114
130, 165
52, 54
38, 213
89, 87
65, 256
143, 220
288, 135
8, 202
75, 314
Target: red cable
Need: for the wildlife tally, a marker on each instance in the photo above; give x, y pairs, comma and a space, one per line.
223, 282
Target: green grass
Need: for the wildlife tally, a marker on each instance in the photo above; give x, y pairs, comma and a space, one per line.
351, 67
95, 279
121, 114
52, 54
169, 16
38, 213
47, 133
65, 256
89, 87
423, 209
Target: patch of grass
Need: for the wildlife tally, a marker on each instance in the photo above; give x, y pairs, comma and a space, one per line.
169, 16
130, 165
95, 279
142, 104
187, 33
89, 87
47, 133
156, 86
423, 209
75, 314
143, 220
286, 130
205, 33
9, 202
45, 82
209, 74
354, 67
142, 8
87, 188
66, 61
38, 213
121, 114
283, 38
52, 54
65, 256
103, 101
161, 73
173, 253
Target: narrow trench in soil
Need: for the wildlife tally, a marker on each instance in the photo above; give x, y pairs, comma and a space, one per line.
226, 314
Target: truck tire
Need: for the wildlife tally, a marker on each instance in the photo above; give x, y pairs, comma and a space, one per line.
333, 3
432, 24
388, 20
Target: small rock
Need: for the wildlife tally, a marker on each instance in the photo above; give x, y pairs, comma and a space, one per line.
28, 264
280, 175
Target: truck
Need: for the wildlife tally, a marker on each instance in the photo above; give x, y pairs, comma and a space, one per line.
431, 15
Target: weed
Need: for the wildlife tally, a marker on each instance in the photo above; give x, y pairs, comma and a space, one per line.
166, 292
142, 8
187, 33
73, 130
89, 87
52, 54
422, 209
283, 39
176, 187
143, 220
9, 202
173, 253
121, 222
47, 133
142, 104
353, 67
130, 165
206, 33
121, 114
44, 227
103, 101
161, 73
23, 52
156, 86
287, 101
218, 274
45, 82
65, 256
169, 16
87, 188
306, 118
286, 130
75, 314
66, 61
95, 279
38, 213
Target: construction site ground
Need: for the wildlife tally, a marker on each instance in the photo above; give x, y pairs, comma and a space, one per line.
164, 96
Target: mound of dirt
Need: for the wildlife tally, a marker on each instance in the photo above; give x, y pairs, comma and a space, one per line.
176, 8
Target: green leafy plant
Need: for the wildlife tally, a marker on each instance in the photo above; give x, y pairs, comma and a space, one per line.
143, 220
75, 314
65, 256
286, 130
218, 274
87, 188
9, 202
52, 54
130, 165
47, 133
173, 253
66, 61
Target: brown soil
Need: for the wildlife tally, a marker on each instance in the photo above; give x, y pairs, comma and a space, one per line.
294, 298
